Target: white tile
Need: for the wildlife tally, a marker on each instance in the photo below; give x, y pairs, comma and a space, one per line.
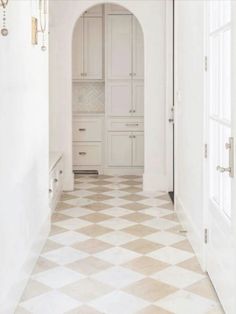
170, 255
117, 255
117, 202
81, 193
150, 194
117, 211
153, 202
118, 277
79, 202
156, 211
53, 302
119, 302
72, 223
165, 238
117, 186
116, 223
183, 302
117, 238
64, 255
85, 185
178, 277
160, 223
116, 193
116, 179
68, 238
57, 277
76, 212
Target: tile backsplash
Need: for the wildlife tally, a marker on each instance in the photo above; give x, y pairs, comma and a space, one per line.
88, 97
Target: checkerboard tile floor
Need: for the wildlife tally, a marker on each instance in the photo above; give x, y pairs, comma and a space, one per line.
115, 249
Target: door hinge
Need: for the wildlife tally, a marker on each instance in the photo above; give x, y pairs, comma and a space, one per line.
206, 151
206, 63
205, 236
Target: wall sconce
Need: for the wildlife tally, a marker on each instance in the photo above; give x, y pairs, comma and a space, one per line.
4, 30
40, 25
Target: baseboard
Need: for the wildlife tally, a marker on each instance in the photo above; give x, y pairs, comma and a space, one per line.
195, 236
13, 297
154, 183
120, 171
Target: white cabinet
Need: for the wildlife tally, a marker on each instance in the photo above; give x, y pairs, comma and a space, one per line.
116, 9
119, 149
125, 149
137, 98
119, 98
88, 49
138, 149
119, 54
87, 154
138, 50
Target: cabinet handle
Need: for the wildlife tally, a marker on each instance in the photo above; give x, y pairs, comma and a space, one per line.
134, 74
55, 180
81, 130
61, 172
130, 111
82, 153
132, 124
130, 74
85, 74
134, 136
134, 111
82, 74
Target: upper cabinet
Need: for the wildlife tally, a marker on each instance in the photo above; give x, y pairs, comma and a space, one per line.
125, 54
116, 9
88, 49
96, 10
119, 55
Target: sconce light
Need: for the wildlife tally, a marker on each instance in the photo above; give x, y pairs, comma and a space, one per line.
4, 30
40, 25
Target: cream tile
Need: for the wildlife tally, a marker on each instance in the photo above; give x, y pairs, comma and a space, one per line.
96, 217
92, 246
139, 230
165, 238
153, 309
137, 217
76, 212
94, 230
116, 223
142, 246
89, 266
170, 255
117, 255
116, 211
204, 288
68, 238
43, 264
160, 223
117, 238
64, 255
73, 223
34, 289
84, 309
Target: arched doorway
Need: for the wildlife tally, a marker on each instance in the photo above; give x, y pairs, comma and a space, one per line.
108, 92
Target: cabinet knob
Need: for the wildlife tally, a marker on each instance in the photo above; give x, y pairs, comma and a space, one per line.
134, 74
55, 180
61, 172
130, 111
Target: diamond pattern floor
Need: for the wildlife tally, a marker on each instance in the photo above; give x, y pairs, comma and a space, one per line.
115, 249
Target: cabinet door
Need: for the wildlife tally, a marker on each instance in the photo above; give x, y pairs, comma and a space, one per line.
138, 149
138, 98
138, 50
78, 50
119, 149
116, 9
119, 56
93, 48
119, 98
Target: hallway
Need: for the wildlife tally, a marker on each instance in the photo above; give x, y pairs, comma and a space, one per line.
115, 249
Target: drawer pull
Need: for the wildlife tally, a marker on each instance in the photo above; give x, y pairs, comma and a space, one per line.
132, 124
82, 153
81, 130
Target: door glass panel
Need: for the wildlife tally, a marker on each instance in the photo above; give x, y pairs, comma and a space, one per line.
226, 74
215, 76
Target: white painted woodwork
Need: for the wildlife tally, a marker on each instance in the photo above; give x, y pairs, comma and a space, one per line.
119, 98
119, 54
125, 124
87, 130
78, 50
220, 246
87, 154
138, 50
119, 149
88, 49
137, 149
55, 181
116, 9
138, 98
93, 48
96, 10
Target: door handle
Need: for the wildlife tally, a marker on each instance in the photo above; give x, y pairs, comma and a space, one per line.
171, 120
230, 169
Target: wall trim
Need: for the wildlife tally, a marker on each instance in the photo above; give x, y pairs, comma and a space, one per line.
194, 235
13, 296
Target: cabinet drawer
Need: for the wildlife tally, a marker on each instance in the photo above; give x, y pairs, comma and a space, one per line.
125, 125
87, 130
89, 154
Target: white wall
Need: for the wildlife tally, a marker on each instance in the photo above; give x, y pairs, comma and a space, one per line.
24, 208
152, 17
189, 81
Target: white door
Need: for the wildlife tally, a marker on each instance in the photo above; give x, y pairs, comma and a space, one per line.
138, 98
119, 98
138, 50
138, 149
78, 50
220, 258
93, 48
119, 54
120, 149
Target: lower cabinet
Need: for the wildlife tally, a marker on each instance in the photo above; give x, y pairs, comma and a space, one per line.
125, 149
87, 154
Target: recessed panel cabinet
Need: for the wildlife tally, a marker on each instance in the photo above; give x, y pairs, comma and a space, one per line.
125, 149
88, 49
